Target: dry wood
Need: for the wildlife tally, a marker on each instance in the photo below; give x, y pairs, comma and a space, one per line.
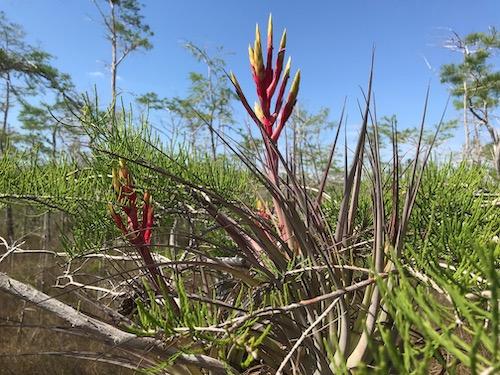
106, 333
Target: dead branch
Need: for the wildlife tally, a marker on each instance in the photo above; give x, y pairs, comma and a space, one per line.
107, 333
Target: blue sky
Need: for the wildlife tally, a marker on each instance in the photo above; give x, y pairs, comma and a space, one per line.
330, 41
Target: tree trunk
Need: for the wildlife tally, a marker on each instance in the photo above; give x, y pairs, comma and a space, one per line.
46, 230
496, 157
46, 246
495, 138
467, 147
24, 230
212, 143
192, 136
54, 142
212, 112
466, 124
477, 145
9, 216
9, 223
3, 139
113, 63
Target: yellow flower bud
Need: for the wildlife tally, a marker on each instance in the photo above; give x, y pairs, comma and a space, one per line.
270, 30
294, 90
257, 53
147, 197
251, 56
258, 111
260, 205
234, 81
257, 35
115, 180
283, 40
287, 67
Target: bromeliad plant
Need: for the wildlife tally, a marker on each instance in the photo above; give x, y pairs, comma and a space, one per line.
271, 119
304, 296
137, 230
309, 286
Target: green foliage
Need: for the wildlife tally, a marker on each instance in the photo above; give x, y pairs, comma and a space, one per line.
409, 136
462, 214
206, 110
25, 66
126, 24
439, 312
307, 142
475, 82
444, 307
82, 189
476, 69
50, 128
26, 72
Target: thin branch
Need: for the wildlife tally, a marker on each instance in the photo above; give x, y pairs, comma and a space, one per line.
267, 311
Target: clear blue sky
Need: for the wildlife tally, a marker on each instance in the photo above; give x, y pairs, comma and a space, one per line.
330, 41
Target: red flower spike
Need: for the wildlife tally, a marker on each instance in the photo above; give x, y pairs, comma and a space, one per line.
124, 187
257, 56
286, 76
138, 235
269, 60
290, 103
147, 218
279, 66
117, 219
132, 221
124, 183
266, 81
243, 99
